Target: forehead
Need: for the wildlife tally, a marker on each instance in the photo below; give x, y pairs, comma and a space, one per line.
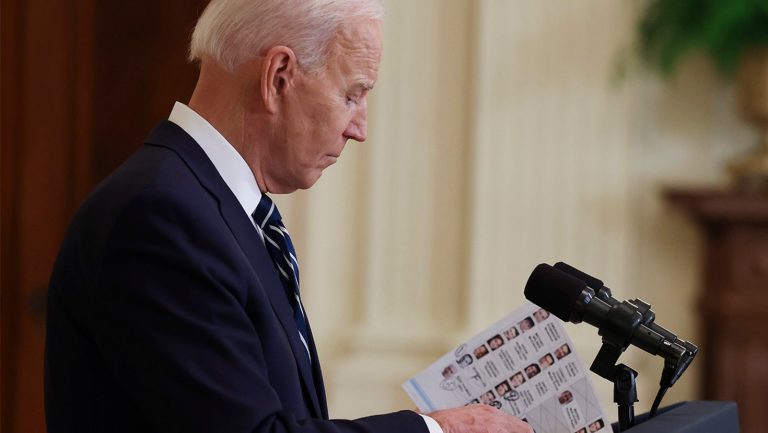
359, 34
356, 50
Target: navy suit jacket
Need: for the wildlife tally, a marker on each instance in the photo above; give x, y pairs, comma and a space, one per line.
166, 313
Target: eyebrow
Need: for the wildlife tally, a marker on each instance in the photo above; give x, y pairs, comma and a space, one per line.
364, 85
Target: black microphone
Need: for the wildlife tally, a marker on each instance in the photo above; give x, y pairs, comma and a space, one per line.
619, 323
649, 316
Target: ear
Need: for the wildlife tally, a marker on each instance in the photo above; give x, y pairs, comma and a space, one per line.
278, 72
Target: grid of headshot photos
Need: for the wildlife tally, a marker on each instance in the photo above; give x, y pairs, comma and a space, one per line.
524, 364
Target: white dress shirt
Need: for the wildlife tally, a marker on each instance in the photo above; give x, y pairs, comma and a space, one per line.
235, 172
228, 162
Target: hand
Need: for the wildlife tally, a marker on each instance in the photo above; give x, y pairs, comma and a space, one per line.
479, 418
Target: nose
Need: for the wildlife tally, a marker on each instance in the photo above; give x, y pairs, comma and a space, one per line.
357, 129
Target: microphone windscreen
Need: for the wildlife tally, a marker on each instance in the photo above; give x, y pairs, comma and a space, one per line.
591, 281
554, 290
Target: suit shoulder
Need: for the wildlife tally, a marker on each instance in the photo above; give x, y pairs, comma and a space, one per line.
151, 185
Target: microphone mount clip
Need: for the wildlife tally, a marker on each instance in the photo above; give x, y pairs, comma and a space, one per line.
621, 323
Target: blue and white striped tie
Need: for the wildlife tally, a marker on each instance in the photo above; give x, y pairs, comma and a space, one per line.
280, 248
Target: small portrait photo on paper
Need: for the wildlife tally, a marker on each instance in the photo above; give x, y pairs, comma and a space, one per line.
480, 351
465, 361
525, 324
495, 342
565, 397
562, 351
502, 388
546, 360
532, 370
596, 425
487, 398
540, 315
517, 379
582, 430
511, 333
448, 384
449, 371
474, 401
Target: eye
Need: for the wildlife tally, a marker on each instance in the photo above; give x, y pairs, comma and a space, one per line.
351, 99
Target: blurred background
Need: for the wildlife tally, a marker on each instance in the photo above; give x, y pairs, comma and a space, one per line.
503, 134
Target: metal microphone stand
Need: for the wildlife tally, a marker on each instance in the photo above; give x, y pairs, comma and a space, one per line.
622, 322
623, 378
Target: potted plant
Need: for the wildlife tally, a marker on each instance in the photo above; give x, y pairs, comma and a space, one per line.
734, 33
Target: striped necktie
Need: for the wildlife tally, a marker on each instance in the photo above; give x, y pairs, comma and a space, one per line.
280, 248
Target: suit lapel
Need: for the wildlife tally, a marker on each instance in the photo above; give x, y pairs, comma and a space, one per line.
170, 135
252, 246
317, 374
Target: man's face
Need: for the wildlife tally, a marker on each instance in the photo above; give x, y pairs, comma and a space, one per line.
531, 370
325, 109
495, 343
546, 361
480, 352
487, 398
517, 380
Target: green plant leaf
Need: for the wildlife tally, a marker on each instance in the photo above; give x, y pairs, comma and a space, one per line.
669, 30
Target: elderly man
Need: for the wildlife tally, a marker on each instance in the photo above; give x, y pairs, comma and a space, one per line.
174, 305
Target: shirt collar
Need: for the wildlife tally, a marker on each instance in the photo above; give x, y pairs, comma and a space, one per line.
228, 162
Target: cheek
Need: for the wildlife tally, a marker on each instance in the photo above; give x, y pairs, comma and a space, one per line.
329, 132
338, 117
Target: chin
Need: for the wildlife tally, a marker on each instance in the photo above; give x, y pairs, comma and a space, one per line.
310, 180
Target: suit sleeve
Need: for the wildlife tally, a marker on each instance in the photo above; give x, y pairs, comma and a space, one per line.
169, 321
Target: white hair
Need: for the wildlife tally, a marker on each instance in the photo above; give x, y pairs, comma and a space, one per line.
234, 31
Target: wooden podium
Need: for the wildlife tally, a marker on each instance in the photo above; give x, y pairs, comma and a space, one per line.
734, 297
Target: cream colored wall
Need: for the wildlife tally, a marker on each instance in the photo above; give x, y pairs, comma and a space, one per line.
497, 142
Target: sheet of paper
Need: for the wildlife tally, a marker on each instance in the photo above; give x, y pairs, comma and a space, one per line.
523, 364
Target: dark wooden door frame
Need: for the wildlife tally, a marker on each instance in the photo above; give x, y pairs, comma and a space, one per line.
82, 83
46, 59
